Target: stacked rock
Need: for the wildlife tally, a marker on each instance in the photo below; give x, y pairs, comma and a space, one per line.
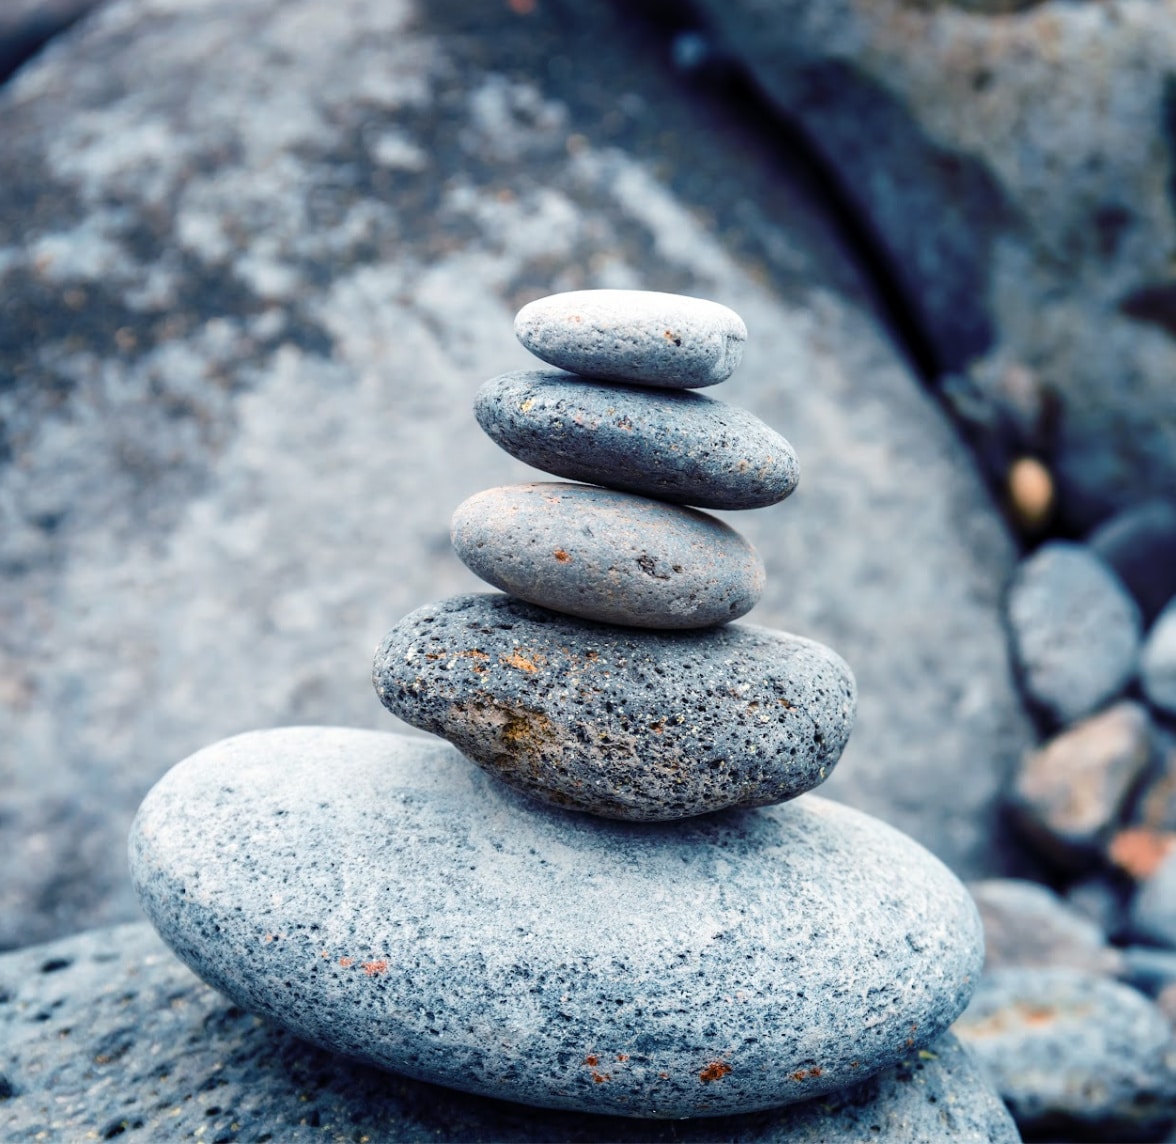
662, 714
376, 895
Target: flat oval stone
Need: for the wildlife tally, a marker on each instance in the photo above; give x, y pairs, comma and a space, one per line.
664, 340
618, 722
608, 556
673, 445
380, 897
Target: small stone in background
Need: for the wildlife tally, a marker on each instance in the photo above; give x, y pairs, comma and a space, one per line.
1149, 970
1069, 796
1139, 543
1074, 1055
1139, 851
1027, 924
1100, 899
1030, 491
1157, 664
1153, 912
1075, 630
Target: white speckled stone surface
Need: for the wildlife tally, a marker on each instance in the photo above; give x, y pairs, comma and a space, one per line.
377, 895
643, 336
608, 556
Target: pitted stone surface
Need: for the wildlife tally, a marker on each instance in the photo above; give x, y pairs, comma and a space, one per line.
642, 336
621, 723
676, 446
105, 1033
378, 896
608, 556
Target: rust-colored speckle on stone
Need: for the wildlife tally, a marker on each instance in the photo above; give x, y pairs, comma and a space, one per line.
670, 336
657, 728
1139, 851
591, 1060
599, 1077
516, 659
347, 962
622, 1056
786, 704
716, 1070
804, 1074
562, 556
375, 968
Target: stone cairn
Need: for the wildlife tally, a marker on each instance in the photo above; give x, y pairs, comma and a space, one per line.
378, 896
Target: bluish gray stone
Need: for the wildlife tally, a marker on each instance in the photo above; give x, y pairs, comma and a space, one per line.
620, 722
664, 340
1027, 924
1139, 544
380, 897
106, 1034
1157, 664
1074, 1054
1075, 630
674, 445
1148, 969
1153, 909
608, 556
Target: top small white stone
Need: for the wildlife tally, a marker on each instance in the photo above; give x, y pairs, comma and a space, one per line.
670, 341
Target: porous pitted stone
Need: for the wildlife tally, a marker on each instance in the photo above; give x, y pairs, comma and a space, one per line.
106, 1034
674, 445
1070, 795
1074, 1055
665, 340
620, 722
608, 556
378, 896
1075, 630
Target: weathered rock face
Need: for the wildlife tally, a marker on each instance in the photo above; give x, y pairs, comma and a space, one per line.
256, 259
1016, 167
153, 1053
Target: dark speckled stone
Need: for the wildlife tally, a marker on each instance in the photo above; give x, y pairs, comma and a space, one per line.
677, 446
642, 336
378, 896
619, 722
608, 556
106, 1034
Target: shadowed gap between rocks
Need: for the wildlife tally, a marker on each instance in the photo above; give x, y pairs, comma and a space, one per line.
27, 31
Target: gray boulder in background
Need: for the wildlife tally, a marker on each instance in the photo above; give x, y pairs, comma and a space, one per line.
256, 258
1016, 169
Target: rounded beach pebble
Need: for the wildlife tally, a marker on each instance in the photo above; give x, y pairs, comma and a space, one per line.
675, 446
378, 896
1075, 1055
1075, 630
608, 556
1158, 662
663, 340
619, 722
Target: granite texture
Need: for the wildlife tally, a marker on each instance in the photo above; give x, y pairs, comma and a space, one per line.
608, 556
107, 1033
1075, 630
1072, 795
615, 721
1073, 1054
1157, 663
257, 256
683, 447
1014, 171
642, 336
378, 896
1026, 924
